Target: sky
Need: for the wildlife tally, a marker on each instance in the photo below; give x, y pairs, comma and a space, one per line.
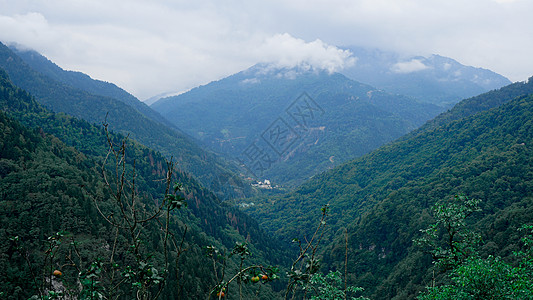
152, 47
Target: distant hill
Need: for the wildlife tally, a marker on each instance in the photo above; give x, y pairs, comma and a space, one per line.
300, 122
482, 148
433, 79
78, 95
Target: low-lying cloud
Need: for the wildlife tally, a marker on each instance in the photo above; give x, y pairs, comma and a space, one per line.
286, 51
162, 63
29, 30
411, 66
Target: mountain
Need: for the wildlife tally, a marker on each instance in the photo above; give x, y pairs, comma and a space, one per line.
482, 148
51, 179
72, 93
82, 81
286, 125
433, 79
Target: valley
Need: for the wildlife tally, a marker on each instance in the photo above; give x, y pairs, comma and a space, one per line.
261, 184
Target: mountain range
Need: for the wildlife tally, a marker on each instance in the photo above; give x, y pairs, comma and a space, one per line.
379, 160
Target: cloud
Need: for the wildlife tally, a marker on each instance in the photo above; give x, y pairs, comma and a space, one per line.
250, 81
183, 50
28, 30
286, 51
152, 47
411, 66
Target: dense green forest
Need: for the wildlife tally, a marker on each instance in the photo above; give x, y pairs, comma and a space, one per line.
384, 198
64, 92
49, 187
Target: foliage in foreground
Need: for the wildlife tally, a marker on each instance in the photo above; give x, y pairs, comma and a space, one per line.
469, 275
330, 287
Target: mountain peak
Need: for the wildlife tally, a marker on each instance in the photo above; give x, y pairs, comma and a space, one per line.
435, 79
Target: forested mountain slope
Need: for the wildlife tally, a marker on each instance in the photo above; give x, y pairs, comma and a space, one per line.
83, 82
303, 121
49, 186
479, 103
384, 198
122, 117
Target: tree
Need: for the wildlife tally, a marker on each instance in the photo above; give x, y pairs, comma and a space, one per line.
449, 240
470, 276
331, 287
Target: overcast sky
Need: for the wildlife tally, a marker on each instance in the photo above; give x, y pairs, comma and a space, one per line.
150, 47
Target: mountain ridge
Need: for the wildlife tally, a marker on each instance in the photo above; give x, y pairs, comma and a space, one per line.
434, 78
83, 81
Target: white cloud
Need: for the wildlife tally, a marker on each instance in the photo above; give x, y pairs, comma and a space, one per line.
411, 66
250, 81
285, 51
31, 30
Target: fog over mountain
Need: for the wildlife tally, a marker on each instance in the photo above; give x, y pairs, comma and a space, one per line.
433, 79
